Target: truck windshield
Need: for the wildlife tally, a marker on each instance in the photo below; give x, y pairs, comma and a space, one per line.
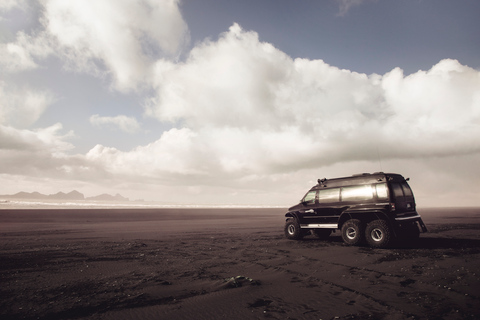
310, 197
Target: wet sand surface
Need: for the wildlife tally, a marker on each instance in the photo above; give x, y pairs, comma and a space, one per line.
228, 264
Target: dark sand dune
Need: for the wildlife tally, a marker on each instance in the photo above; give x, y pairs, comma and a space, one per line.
228, 263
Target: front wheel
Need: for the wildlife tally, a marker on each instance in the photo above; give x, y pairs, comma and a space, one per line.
352, 232
292, 230
378, 234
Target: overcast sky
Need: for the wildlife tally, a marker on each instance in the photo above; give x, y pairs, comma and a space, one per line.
238, 102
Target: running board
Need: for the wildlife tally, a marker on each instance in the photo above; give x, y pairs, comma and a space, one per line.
319, 226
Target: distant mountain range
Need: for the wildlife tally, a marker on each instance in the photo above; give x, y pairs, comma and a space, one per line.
73, 195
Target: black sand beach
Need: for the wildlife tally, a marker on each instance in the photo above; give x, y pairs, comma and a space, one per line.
228, 263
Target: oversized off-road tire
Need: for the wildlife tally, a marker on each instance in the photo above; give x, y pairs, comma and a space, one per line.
378, 234
321, 233
292, 229
352, 232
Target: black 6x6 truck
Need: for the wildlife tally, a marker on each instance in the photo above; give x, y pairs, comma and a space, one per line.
374, 208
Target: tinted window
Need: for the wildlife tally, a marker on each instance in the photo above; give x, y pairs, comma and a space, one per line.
406, 190
329, 195
356, 193
397, 190
382, 191
310, 197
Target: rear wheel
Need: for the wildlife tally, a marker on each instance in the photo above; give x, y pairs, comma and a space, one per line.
352, 232
321, 233
378, 234
292, 230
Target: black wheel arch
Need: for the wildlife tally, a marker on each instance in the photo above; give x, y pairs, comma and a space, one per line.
292, 214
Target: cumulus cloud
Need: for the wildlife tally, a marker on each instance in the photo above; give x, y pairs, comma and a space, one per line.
244, 113
14, 57
6, 5
123, 36
21, 54
254, 109
47, 139
40, 159
175, 153
39, 152
22, 106
124, 123
108, 37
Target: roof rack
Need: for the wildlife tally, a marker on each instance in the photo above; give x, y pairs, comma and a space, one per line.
361, 174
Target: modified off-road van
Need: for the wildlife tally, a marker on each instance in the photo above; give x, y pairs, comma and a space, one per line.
376, 208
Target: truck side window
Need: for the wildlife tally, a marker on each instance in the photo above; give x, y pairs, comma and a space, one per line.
355, 193
329, 195
382, 191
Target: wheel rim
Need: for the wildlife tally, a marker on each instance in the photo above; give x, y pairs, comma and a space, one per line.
291, 229
377, 234
351, 233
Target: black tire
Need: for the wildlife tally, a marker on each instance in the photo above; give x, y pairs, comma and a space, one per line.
378, 234
292, 230
321, 233
353, 232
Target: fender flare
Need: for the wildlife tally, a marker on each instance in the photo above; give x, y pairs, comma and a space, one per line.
293, 214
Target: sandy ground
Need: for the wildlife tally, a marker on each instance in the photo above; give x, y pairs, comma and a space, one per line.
228, 264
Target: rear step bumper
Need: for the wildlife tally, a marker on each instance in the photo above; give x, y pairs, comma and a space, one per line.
416, 217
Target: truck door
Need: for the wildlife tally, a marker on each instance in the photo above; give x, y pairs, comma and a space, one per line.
309, 203
403, 197
327, 211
